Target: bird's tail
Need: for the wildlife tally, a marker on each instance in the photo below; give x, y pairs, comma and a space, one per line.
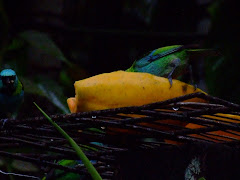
204, 52
195, 50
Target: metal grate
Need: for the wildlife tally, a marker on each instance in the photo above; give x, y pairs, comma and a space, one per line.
169, 123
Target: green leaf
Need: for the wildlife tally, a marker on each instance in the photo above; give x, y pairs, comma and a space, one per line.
44, 43
15, 44
52, 96
65, 79
47, 88
31, 87
2, 162
23, 166
61, 175
95, 175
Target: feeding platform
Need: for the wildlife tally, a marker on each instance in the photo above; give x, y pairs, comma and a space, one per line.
155, 141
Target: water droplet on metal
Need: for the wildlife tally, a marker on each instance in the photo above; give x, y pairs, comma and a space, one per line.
175, 108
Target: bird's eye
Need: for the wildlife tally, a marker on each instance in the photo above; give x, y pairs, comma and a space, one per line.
12, 78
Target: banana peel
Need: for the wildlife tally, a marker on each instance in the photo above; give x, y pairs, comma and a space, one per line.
123, 89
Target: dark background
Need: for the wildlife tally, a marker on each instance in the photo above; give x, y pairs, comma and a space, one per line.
53, 43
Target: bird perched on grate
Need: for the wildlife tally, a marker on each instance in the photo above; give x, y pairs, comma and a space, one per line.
11, 93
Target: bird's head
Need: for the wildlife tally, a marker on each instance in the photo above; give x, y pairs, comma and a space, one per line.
8, 80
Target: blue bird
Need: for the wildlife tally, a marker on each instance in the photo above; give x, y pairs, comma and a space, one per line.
11, 94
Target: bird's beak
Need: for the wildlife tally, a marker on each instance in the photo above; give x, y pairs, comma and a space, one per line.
8, 82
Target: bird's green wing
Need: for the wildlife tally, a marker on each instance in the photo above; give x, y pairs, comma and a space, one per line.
156, 55
164, 51
18, 89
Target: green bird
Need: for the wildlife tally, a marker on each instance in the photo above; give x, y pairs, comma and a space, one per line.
11, 94
170, 61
